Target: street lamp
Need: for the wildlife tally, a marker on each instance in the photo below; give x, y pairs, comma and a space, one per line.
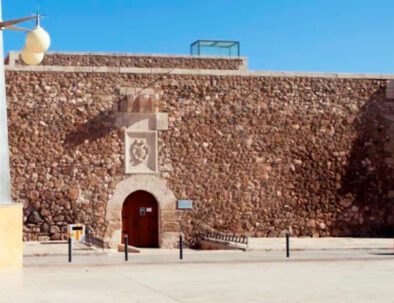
11, 214
37, 40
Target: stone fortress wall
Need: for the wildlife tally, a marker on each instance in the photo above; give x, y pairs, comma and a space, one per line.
259, 154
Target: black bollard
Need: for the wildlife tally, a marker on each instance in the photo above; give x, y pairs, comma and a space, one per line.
126, 248
69, 250
288, 245
180, 247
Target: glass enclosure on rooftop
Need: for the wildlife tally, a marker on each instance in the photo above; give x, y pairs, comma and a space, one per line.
215, 48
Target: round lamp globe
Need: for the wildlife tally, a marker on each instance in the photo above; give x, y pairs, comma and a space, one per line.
37, 40
31, 58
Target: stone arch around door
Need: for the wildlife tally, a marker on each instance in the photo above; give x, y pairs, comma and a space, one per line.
168, 230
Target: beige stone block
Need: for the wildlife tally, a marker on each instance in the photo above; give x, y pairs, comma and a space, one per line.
168, 215
131, 249
11, 238
161, 121
244, 65
142, 121
169, 240
170, 226
126, 91
138, 100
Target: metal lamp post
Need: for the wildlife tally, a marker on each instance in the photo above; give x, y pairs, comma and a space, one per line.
11, 215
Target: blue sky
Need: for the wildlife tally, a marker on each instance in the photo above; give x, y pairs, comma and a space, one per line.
283, 35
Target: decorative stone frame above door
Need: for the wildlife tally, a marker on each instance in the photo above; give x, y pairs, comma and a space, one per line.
138, 113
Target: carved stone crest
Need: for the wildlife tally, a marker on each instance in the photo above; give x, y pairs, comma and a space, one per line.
139, 151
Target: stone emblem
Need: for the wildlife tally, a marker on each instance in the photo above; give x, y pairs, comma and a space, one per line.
139, 151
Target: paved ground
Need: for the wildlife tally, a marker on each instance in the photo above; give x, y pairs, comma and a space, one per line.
330, 274
321, 243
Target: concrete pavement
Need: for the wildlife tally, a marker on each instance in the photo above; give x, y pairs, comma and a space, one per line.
321, 243
282, 281
358, 271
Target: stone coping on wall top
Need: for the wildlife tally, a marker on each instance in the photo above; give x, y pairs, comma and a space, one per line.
114, 54
197, 72
15, 54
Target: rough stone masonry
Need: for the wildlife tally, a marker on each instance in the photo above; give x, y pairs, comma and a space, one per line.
258, 153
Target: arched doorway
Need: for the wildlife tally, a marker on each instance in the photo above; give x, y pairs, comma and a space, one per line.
140, 219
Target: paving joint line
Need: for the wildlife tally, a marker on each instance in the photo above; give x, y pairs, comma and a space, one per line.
147, 286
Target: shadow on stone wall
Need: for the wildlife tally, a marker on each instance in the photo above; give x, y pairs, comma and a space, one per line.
365, 199
97, 127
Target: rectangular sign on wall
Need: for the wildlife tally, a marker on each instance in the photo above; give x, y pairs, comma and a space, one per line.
184, 204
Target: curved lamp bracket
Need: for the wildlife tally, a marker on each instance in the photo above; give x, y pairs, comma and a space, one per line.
10, 24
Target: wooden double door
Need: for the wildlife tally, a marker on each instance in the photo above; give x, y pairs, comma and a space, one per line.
140, 220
